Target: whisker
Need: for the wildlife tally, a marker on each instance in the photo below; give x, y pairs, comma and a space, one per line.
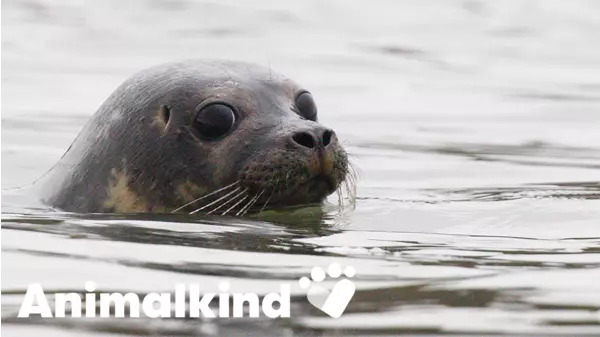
214, 202
204, 196
266, 202
351, 173
252, 205
246, 205
249, 204
234, 205
351, 190
339, 192
346, 190
228, 201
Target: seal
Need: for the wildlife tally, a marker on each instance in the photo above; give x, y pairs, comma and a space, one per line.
212, 137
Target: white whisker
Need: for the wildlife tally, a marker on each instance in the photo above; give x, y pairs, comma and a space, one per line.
228, 201
266, 202
214, 202
254, 202
204, 196
235, 205
250, 203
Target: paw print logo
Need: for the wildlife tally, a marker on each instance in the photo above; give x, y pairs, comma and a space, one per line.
332, 301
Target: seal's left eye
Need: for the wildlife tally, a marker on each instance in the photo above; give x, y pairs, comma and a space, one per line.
215, 120
306, 105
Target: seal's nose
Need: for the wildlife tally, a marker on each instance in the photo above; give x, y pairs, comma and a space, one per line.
313, 138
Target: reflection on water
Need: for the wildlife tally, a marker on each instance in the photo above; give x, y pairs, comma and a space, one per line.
474, 125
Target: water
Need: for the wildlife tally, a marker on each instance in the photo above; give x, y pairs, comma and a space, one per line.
474, 125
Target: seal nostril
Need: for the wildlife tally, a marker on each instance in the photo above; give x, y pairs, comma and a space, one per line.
327, 137
305, 139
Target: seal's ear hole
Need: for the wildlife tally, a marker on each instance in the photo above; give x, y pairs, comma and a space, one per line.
165, 113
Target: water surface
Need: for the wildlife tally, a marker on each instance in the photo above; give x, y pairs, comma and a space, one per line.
475, 126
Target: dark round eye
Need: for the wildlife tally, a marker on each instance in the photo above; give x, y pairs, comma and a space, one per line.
306, 106
215, 120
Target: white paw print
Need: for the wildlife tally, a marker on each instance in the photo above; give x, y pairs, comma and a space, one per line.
332, 302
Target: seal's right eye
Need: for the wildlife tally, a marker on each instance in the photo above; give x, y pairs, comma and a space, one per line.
306, 106
214, 120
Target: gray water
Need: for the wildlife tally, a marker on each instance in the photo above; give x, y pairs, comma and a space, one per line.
475, 126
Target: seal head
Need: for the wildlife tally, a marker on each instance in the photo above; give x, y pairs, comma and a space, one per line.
192, 136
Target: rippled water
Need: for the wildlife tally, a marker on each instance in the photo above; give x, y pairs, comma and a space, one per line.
475, 125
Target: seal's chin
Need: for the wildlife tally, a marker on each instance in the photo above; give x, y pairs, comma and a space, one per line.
286, 178
313, 190
322, 184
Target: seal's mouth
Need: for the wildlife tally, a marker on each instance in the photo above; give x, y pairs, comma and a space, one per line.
272, 185
308, 191
286, 178
322, 182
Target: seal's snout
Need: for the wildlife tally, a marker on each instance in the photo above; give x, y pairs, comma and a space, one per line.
316, 138
319, 145
309, 166
300, 161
